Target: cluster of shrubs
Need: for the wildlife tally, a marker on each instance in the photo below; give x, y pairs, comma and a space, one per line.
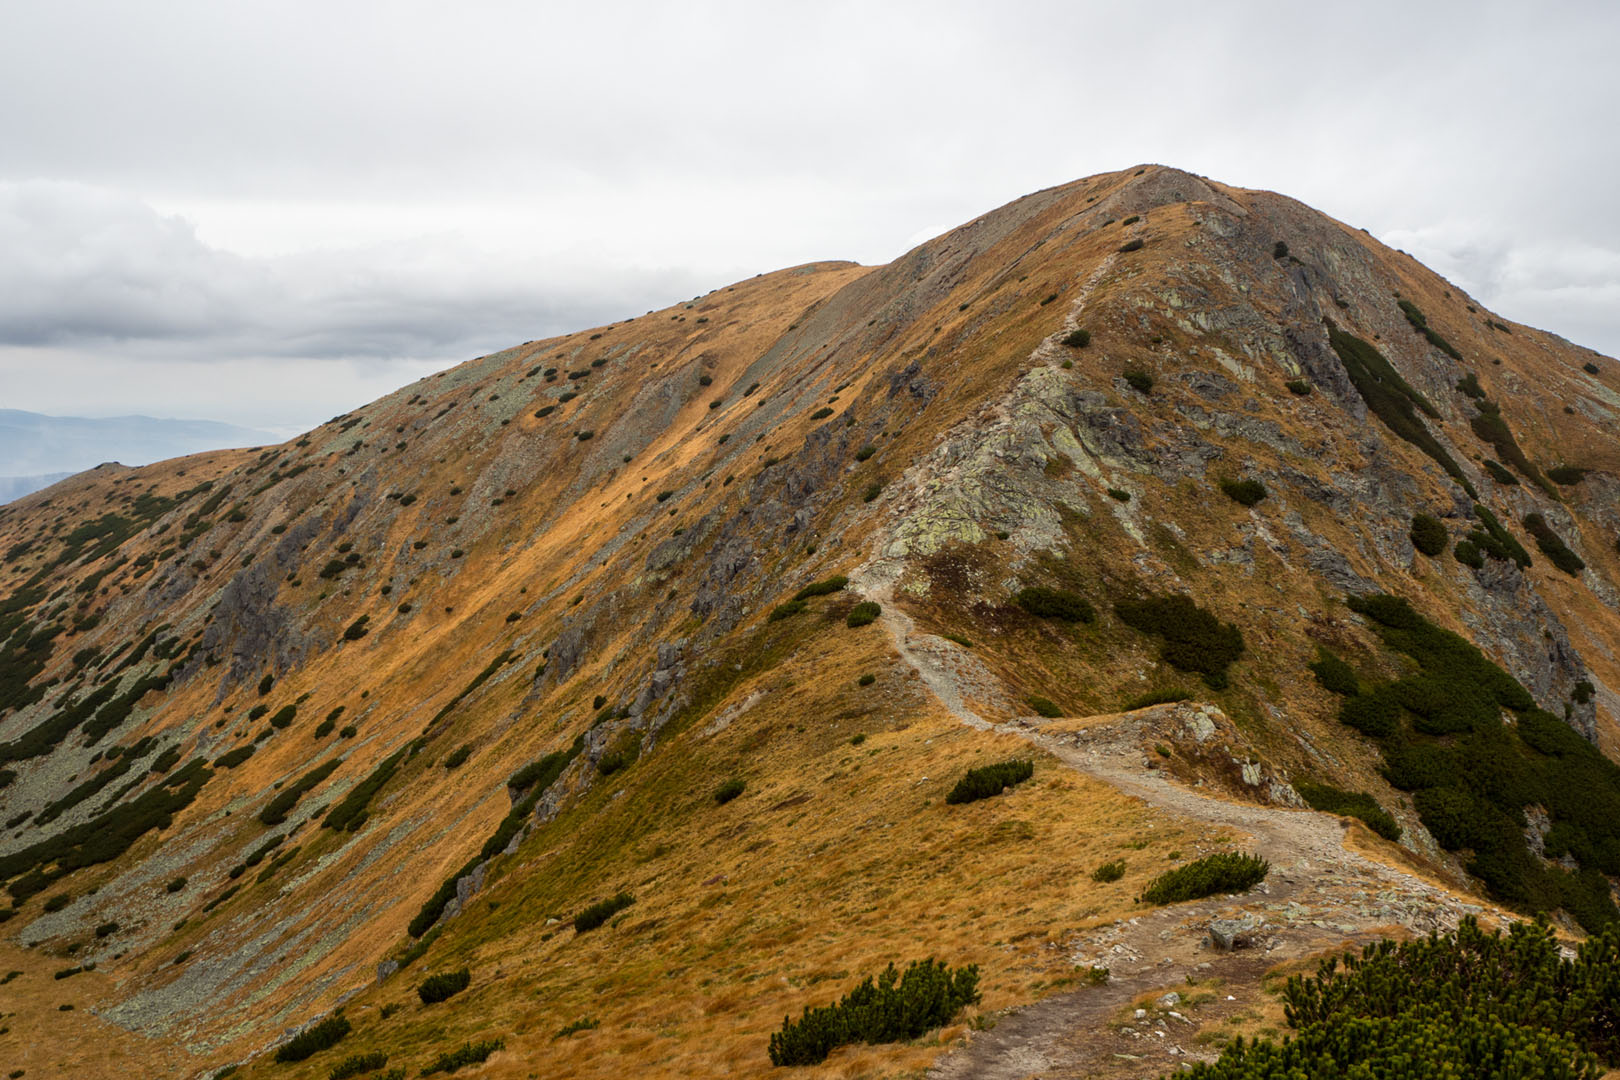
1356, 804
987, 781
1109, 872
1428, 534
1244, 492
894, 1008
277, 809
472, 1053
1471, 776
1046, 603
1491, 427
728, 791
351, 813
1420, 323
1225, 872
313, 1040
1552, 545
601, 911
1194, 640
1166, 696
863, 614
355, 1064
443, 986
1463, 1004
1392, 399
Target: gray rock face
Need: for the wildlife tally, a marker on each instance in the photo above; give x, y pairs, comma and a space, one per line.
1230, 934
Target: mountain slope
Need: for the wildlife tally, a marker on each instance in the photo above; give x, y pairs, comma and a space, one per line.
578, 547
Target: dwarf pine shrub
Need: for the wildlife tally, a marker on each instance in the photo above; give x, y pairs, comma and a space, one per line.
472, 1053
443, 986
1139, 380
1047, 603
1356, 804
1552, 545
1334, 674
728, 791
601, 911
1428, 534
1044, 707
1167, 696
314, 1039
1194, 640
896, 1007
1245, 492
355, 1064
1077, 339
1109, 872
1226, 872
863, 614
989, 780
822, 588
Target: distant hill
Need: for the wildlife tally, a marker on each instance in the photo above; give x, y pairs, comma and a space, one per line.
37, 450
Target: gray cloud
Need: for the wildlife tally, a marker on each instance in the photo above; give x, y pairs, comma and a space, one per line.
278, 190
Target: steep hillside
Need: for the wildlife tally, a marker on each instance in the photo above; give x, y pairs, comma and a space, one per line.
287, 731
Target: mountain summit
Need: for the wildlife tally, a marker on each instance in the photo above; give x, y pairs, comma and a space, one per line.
586, 708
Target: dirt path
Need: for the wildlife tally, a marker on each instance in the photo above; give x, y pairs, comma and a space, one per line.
1319, 895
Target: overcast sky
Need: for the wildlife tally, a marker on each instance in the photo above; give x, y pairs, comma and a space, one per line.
270, 212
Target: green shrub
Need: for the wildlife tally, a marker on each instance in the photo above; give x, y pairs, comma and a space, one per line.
355, 1064
1469, 384
1490, 426
1499, 474
468, 1054
1109, 872
1131, 245
1045, 707
873, 490
865, 452
1226, 872
106, 929
1421, 325
584, 1023
283, 717
1046, 603
1168, 696
867, 680
1077, 339
1392, 399
601, 911
232, 758
728, 791
896, 1008
1119, 495
863, 614
1244, 492
175, 885
1132, 220
1354, 804
1279, 250
257, 711
314, 1039
443, 986
1334, 674
266, 683
1299, 387
821, 413
1494, 540
350, 813
822, 588
357, 629
1552, 545
1566, 474
1428, 534
1194, 640
1138, 380
987, 781
276, 810
459, 757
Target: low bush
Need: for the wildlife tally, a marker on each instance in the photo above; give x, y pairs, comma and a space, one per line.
822, 588
443, 986
355, 1064
897, 1007
1059, 604
873, 490
821, 413
585, 1023
1552, 545
601, 911
314, 1039
472, 1053
1356, 804
1077, 339
357, 629
1428, 534
1044, 707
728, 791
1494, 540
987, 781
1244, 492
1421, 324
1334, 674
459, 757
863, 614
277, 809
350, 813
1109, 872
175, 885
1299, 387
1500, 474
283, 717
1566, 474
1226, 872
1194, 640
867, 680
1131, 245
232, 758
1119, 495
1139, 380
865, 452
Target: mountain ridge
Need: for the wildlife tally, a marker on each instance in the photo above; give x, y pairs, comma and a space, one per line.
478, 558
